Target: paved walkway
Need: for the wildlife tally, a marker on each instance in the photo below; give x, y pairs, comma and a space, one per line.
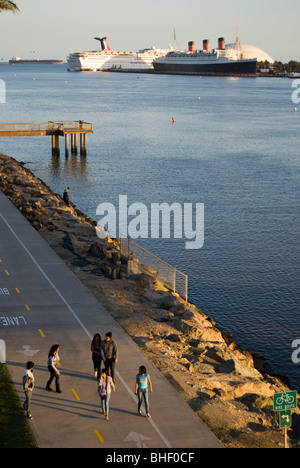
43, 303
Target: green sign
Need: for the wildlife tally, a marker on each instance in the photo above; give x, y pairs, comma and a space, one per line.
285, 418
285, 401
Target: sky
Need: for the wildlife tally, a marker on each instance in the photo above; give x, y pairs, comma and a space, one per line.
53, 29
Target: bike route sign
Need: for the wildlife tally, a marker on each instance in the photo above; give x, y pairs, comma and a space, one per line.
285, 401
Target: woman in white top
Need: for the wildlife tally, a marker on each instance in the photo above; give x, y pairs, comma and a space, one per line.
54, 372
105, 387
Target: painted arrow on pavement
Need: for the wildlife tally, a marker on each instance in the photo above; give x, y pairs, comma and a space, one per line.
29, 352
137, 439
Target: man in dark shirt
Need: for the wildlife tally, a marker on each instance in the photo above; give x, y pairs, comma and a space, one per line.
109, 354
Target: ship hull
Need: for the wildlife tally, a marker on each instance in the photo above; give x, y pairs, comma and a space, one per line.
36, 62
224, 68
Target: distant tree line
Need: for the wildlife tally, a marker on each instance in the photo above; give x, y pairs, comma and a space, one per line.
279, 68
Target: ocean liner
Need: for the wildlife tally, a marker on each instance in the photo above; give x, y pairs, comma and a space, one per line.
111, 60
224, 61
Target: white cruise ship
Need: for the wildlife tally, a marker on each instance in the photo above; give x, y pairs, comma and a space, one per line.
107, 59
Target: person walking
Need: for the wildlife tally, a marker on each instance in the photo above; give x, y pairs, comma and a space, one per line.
96, 354
109, 354
105, 387
28, 386
141, 389
54, 372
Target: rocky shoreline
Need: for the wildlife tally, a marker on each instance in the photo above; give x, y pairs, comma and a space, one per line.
229, 388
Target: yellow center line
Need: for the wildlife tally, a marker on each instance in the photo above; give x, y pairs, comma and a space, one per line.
99, 436
41, 333
18, 290
75, 394
6, 272
27, 307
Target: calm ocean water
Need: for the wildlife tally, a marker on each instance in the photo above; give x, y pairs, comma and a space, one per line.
236, 149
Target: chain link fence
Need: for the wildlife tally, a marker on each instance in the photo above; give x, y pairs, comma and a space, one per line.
149, 263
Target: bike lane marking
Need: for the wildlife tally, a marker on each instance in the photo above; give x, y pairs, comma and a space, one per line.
77, 397
99, 436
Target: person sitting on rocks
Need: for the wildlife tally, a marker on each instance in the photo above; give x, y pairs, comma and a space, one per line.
66, 197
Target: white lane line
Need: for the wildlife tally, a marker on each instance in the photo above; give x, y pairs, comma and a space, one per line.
164, 439
46, 277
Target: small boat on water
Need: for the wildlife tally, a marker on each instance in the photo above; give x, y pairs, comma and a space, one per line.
19, 61
295, 74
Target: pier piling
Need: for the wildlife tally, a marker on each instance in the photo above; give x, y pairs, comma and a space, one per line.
55, 145
66, 143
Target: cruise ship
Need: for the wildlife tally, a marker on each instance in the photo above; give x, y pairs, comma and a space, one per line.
223, 61
111, 60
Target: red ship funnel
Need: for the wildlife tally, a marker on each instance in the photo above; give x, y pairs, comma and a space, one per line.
191, 46
206, 45
106, 47
221, 43
102, 40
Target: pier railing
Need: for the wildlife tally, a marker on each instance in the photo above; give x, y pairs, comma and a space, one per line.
71, 126
47, 127
154, 266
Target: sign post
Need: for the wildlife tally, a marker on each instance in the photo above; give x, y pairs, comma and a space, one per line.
2, 352
285, 421
284, 403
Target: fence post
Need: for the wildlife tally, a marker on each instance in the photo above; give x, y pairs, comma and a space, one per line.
186, 289
129, 248
170, 282
174, 280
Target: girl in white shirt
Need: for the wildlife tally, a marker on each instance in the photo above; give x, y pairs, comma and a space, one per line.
105, 387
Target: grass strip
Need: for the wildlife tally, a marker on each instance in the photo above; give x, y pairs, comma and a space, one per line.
15, 430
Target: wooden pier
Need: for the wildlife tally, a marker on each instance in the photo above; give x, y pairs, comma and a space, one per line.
53, 129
